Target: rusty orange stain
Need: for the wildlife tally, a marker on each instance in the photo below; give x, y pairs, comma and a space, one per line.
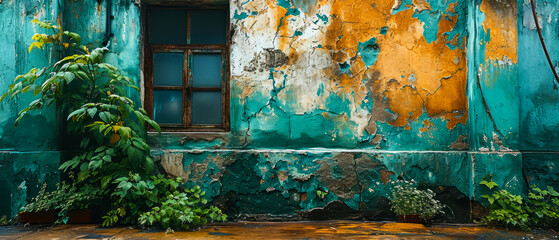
501, 21
434, 75
427, 125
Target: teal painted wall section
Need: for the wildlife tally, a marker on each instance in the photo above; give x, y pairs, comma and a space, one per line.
39, 130
28, 153
493, 84
87, 18
23, 175
539, 94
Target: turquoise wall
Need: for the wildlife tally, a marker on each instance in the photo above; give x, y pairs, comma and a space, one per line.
28, 154
539, 94
320, 104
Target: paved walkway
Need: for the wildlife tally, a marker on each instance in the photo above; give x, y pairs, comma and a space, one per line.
283, 230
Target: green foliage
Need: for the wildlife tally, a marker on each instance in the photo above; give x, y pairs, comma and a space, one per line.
114, 162
66, 197
540, 208
321, 193
407, 199
489, 184
158, 202
4, 221
184, 210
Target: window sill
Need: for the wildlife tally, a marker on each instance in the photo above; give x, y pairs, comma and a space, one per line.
188, 133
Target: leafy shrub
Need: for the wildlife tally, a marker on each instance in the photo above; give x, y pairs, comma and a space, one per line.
4, 221
540, 208
159, 202
66, 197
407, 199
184, 210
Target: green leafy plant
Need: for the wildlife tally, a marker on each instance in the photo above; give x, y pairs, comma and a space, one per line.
540, 208
66, 197
4, 221
407, 199
321, 193
135, 195
159, 202
543, 207
114, 160
183, 210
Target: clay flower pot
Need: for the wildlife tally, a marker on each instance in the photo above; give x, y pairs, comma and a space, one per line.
37, 217
49, 217
414, 218
80, 216
410, 218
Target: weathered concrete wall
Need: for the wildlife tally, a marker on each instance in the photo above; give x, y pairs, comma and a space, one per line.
344, 96
28, 155
539, 93
493, 76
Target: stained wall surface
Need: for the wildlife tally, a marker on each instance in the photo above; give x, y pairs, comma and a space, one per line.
28, 154
344, 96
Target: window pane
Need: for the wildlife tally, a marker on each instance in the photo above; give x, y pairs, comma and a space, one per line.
167, 106
206, 108
208, 27
167, 69
206, 70
168, 26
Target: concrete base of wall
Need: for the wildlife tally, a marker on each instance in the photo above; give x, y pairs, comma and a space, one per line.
285, 184
270, 184
23, 174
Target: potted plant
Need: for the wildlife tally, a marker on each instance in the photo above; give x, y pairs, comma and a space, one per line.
413, 205
66, 204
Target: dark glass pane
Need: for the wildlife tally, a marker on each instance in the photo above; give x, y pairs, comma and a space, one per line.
168, 26
208, 27
167, 69
206, 70
167, 106
206, 108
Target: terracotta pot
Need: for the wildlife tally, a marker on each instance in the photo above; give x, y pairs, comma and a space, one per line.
80, 216
415, 218
74, 216
37, 217
410, 218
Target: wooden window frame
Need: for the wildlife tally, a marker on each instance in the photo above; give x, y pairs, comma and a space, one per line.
187, 50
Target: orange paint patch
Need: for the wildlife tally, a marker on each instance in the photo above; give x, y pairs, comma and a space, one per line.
500, 21
427, 125
434, 76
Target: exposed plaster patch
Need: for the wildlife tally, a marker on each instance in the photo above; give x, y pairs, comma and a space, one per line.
174, 166
461, 143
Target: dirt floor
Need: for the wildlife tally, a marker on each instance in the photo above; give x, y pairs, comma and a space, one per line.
280, 230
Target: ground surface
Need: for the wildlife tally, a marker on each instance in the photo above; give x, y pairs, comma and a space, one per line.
285, 230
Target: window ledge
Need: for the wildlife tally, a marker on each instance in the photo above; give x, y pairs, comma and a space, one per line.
187, 134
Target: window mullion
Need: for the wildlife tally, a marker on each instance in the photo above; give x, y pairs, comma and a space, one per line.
187, 90
188, 27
